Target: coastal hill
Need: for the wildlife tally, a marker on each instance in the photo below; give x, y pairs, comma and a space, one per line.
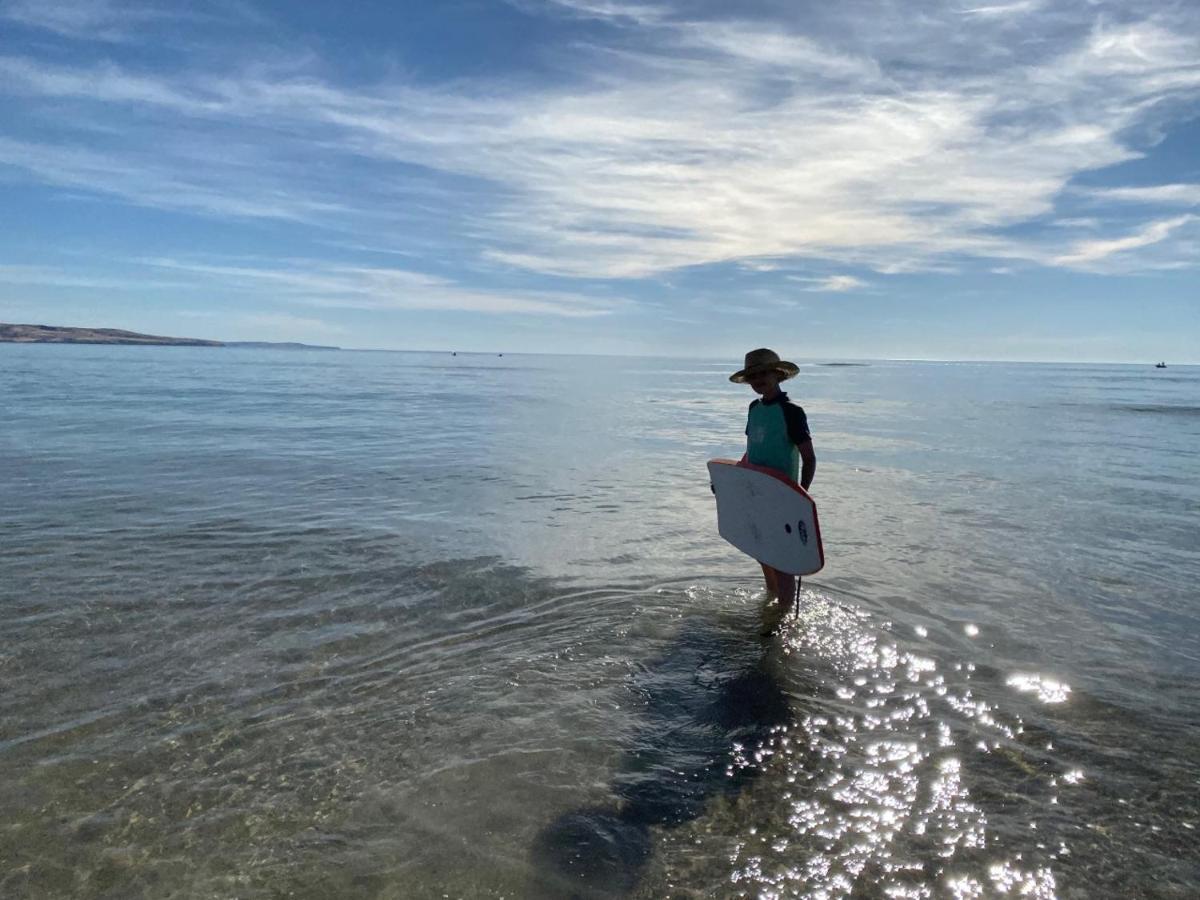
55, 334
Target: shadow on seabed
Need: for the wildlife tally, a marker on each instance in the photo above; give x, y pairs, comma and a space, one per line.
711, 693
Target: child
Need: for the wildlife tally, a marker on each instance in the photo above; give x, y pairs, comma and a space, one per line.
777, 438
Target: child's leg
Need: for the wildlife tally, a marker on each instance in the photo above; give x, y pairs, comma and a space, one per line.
786, 585
772, 585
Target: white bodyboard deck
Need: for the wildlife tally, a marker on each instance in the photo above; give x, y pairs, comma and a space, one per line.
767, 516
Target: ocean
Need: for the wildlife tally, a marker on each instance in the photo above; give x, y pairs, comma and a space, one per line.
324, 624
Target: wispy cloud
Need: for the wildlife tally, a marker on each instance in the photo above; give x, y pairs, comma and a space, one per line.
605, 10
769, 45
51, 276
106, 83
1089, 222
683, 142
319, 284
1164, 194
1086, 252
102, 20
116, 21
833, 284
1021, 7
164, 177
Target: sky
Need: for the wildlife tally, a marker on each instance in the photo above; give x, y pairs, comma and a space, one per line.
945, 179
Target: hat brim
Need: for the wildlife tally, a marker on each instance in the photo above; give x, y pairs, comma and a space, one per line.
785, 369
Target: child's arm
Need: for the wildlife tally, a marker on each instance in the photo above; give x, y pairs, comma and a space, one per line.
808, 463
798, 434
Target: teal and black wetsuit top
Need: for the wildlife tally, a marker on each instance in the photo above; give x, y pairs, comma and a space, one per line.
774, 430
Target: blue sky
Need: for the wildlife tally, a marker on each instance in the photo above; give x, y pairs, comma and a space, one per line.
954, 179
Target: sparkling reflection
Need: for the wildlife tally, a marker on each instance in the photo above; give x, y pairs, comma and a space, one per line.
1046, 689
878, 799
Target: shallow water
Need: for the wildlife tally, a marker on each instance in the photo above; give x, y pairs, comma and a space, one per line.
408, 625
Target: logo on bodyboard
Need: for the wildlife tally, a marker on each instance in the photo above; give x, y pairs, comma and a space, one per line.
803, 532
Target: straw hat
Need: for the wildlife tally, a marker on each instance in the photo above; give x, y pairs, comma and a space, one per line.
764, 360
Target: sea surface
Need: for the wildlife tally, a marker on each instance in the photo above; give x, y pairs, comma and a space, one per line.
388, 625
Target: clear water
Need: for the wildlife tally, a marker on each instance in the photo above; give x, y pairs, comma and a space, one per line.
379, 625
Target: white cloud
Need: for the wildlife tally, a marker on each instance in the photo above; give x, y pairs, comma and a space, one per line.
1164, 194
686, 142
769, 45
105, 83
50, 276
833, 284
1003, 9
759, 265
1086, 252
92, 20
116, 21
328, 285
71, 18
605, 10
215, 183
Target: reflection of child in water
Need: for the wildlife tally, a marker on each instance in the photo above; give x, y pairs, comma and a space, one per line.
777, 438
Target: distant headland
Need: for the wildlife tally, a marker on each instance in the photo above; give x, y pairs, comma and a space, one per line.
54, 334
57, 334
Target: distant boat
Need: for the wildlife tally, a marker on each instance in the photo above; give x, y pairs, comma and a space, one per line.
1161, 365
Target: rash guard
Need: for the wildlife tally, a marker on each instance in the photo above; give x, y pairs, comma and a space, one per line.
774, 430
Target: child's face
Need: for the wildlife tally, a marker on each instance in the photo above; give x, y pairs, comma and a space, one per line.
765, 383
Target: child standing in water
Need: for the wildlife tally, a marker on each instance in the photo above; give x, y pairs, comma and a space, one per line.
777, 438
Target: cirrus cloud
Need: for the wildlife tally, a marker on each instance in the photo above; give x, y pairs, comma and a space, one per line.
676, 141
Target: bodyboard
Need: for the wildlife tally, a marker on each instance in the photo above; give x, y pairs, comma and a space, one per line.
768, 516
